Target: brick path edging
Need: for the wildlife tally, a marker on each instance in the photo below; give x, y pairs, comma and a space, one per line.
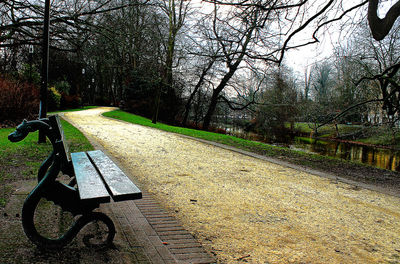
162, 237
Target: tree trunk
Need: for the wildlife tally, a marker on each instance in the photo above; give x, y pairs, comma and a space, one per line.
157, 105
211, 109
196, 88
218, 90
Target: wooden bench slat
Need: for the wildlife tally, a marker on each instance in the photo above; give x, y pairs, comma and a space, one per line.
120, 186
57, 128
90, 185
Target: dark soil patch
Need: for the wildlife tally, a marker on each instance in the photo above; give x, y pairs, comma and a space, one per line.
12, 173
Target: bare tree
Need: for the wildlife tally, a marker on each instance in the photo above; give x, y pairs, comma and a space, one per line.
125, 55
368, 79
278, 105
22, 20
234, 43
251, 31
322, 83
380, 62
176, 12
307, 84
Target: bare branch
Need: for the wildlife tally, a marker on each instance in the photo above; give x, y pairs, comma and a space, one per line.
392, 69
380, 27
259, 6
302, 27
347, 110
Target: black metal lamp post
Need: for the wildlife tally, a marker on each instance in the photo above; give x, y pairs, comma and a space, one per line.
45, 68
82, 88
30, 62
94, 92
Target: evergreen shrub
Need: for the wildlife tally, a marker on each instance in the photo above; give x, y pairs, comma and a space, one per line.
53, 99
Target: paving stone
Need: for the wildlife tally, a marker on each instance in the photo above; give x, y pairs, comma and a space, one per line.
172, 232
190, 256
168, 228
186, 244
176, 237
187, 250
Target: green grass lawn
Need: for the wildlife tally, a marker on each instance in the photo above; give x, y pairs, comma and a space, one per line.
21, 160
382, 136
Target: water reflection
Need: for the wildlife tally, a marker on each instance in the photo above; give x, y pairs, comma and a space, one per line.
379, 157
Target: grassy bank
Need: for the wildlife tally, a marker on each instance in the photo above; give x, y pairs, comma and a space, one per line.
379, 136
382, 136
327, 130
21, 160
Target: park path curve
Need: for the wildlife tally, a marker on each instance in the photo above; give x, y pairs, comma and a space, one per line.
244, 209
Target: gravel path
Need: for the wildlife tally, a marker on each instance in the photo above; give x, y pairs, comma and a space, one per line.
248, 210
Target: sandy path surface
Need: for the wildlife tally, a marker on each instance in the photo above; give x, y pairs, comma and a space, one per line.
248, 210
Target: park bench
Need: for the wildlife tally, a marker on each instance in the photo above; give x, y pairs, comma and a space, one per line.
95, 179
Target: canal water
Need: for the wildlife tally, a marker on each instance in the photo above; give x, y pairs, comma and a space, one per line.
379, 157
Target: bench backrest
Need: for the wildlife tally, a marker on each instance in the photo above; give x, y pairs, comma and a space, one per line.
55, 124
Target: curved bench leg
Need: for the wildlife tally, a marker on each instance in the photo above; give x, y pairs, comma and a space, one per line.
94, 217
44, 242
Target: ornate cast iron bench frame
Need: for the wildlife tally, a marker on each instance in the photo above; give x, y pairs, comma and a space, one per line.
95, 179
